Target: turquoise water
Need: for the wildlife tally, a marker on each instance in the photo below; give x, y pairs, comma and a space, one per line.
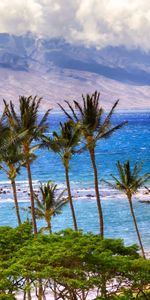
131, 142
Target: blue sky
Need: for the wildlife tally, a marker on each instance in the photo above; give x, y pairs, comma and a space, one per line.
90, 22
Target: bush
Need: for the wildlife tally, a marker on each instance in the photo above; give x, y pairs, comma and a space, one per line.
7, 297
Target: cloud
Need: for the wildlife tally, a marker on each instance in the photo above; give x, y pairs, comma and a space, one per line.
92, 22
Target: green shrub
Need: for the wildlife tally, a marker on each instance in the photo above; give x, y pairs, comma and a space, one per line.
7, 297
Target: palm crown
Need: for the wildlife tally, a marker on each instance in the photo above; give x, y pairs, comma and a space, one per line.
129, 179
50, 203
67, 139
27, 120
90, 117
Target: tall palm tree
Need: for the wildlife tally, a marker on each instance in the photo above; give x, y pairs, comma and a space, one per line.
10, 163
94, 125
64, 143
129, 182
26, 120
50, 203
10, 158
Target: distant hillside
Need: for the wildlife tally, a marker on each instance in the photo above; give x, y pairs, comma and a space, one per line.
58, 70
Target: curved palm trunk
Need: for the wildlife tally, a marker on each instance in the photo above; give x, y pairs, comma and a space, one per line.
31, 198
70, 198
13, 184
136, 227
99, 206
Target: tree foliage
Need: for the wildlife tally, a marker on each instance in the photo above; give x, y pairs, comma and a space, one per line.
77, 262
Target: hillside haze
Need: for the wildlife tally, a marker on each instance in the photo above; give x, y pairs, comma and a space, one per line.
56, 70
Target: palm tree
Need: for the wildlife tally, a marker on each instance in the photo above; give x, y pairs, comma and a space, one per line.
10, 158
129, 182
26, 120
50, 203
10, 163
64, 144
94, 126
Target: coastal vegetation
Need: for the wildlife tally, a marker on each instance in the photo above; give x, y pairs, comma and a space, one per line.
80, 264
69, 264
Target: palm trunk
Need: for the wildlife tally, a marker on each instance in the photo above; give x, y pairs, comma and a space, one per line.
40, 296
29, 295
50, 231
13, 184
49, 226
136, 227
70, 198
24, 295
31, 198
99, 206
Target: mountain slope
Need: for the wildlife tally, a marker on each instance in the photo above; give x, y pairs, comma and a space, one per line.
58, 70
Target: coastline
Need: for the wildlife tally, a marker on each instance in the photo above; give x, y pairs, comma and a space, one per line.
118, 223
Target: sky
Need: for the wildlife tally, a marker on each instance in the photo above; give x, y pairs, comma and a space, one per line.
97, 23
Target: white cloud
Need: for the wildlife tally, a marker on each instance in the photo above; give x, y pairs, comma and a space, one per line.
97, 22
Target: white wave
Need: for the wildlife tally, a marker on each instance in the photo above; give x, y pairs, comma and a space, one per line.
77, 192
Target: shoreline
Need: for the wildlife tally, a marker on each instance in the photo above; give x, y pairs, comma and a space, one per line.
84, 192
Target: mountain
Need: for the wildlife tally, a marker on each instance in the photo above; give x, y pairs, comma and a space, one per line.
57, 70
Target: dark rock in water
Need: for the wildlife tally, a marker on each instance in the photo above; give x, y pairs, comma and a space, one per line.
24, 191
145, 201
4, 192
19, 190
89, 195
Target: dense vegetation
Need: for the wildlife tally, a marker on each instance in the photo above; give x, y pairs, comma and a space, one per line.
71, 264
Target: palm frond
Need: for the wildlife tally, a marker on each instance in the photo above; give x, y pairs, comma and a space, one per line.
107, 134
137, 169
73, 112
60, 195
107, 120
66, 113
60, 205
77, 105
121, 172
44, 119
50, 143
113, 186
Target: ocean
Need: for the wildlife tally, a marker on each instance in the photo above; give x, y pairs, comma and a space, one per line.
131, 142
